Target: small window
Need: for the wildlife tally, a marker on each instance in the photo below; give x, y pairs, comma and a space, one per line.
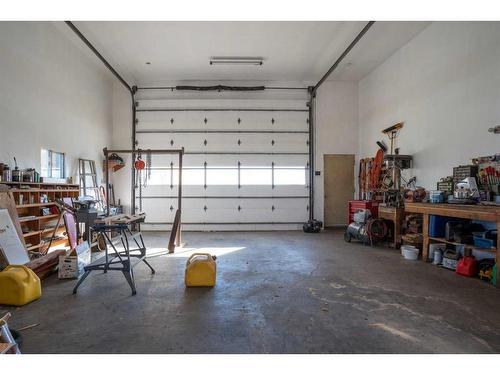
256, 176
222, 176
290, 176
52, 164
194, 176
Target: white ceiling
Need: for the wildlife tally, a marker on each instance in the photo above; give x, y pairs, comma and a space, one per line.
292, 51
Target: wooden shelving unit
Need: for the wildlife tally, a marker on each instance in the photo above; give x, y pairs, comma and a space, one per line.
470, 212
38, 226
466, 246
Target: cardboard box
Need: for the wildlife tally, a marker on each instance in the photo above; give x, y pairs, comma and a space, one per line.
71, 265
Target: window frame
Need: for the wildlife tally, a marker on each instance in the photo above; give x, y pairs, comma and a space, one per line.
50, 154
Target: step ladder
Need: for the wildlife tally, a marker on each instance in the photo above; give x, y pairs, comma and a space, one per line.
7, 343
86, 168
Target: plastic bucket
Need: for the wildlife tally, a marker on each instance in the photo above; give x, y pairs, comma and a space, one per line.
409, 252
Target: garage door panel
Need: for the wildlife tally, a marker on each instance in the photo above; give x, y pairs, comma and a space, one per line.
221, 190
158, 210
229, 155
220, 103
289, 215
194, 215
270, 143
224, 213
228, 121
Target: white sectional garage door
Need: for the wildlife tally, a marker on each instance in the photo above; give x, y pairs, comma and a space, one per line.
245, 164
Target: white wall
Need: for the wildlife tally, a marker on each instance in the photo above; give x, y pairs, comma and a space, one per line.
336, 126
445, 85
53, 94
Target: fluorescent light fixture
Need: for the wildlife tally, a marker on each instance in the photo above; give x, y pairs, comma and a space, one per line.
236, 60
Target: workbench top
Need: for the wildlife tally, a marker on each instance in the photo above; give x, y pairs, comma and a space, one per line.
466, 211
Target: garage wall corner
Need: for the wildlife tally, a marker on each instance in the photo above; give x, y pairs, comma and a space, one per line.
336, 129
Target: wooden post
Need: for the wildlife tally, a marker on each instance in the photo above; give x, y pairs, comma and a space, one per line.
425, 233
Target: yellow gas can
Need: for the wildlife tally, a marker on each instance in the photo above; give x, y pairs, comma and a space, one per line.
201, 270
18, 286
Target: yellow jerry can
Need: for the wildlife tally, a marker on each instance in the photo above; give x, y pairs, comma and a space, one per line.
19, 285
201, 270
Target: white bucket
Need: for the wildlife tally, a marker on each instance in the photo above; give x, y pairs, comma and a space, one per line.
409, 252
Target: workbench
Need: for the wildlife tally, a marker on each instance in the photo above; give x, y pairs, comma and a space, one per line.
118, 260
471, 212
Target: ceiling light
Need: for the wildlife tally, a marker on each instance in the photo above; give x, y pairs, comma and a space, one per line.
236, 61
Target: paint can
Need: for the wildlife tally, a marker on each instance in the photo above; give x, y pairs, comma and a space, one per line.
438, 256
433, 247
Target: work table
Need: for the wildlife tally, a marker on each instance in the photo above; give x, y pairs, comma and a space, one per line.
471, 212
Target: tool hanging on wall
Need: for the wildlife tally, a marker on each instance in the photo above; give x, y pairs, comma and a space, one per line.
139, 166
143, 169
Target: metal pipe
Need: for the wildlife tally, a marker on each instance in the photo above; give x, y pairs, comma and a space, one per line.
134, 144
107, 182
311, 152
96, 52
132, 91
343, 55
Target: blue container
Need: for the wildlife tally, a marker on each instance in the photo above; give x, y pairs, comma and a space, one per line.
484, 243
481, 240
437, 225
436, 196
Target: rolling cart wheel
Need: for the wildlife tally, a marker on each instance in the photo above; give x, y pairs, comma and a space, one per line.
347, 236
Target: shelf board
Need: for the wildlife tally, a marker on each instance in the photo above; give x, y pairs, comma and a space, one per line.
38, 183
467, 246
56, 242
35, 205
47, 217
33, 233
21, 220
35, 247
44, 190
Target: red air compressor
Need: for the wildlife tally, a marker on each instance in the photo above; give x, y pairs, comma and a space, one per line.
467, 266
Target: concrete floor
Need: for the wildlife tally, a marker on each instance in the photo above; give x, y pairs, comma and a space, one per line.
281, 292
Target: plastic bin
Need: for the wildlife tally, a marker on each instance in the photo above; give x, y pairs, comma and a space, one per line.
437, 225
483, 243
409, 252
485, 240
